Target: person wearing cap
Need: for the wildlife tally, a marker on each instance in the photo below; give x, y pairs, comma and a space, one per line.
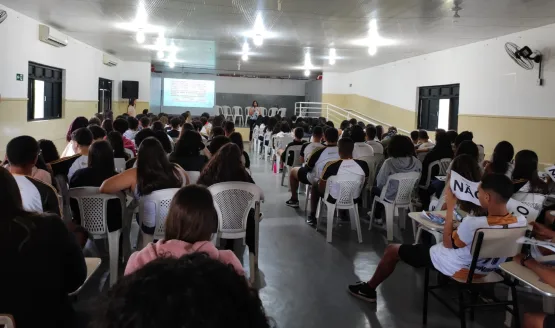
187, 152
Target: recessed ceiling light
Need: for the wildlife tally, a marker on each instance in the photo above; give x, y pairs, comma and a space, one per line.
258, 40
307, 73
245, 57
160, 54
140, 37
372, 49
172, 64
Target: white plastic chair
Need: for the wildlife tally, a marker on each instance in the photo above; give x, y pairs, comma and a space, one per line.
233, 201
218, 110
6, 321
119, 164
238, 114
350, 187
193, 176
161, 200
296, 151
373, 163
254, 141
94, 218
406, 183
129, 152
281, 143
269, 150
443, 165
282, 112
273, 111
227, 112
263, 111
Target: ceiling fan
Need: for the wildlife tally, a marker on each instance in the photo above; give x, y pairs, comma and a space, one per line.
525, 58
3, 15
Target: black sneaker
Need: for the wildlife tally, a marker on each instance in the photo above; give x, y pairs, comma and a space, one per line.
292, 203
311, 220
363, 291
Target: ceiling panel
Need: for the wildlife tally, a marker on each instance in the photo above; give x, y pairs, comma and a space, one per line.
209, 33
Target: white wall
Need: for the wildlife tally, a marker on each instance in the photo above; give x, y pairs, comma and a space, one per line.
137, 71
243, 85
490, 82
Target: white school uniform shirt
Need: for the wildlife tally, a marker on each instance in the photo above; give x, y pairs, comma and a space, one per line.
455, 262
318, 161
376, 146
80, 163
351, 167
308, 148
362, 149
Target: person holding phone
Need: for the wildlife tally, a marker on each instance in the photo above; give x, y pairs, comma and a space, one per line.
254, 112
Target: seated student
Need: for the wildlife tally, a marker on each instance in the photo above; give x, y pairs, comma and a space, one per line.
97, 132
108, 125
116, 142
95, 121
308, 148
371, 135
192, 291
22, 153
345, 165
216, 144
379, 132
237, 139
501, 160
401, 160
141, 135
452, 135
206, 126
82, 140
414, 138
299, 133
353, 122
186, 152
133, 124
424, 145
100, 168
145, 122
218, 131
190, 223
153, 172
442, 150
467, 135
362, 149
165, 140
343, 126
41, 262
229, 128
226, 166
452, 257
78, 122
121, 125
174, 132
48, 151
525, 174
312, 171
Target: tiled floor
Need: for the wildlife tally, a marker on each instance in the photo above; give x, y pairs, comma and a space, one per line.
303, 279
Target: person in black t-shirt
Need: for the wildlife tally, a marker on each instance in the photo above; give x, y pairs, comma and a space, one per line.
174, 132
187, 152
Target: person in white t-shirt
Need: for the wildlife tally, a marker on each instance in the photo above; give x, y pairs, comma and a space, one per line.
371, 134
362, 149
453, 256
82, 139
308, 148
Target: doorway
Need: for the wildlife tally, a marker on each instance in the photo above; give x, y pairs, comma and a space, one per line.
104, 95
438, 107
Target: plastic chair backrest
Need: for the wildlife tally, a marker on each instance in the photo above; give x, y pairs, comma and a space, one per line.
255, 132
296, 153
406, 183
530, 199
233, 201
129, 152
442, 164
119, 164
498, 242
227, 111
283, 141
193, 176
264, 111
282, 112
350, 187
373, 163
273, 111
6, 321
61, 182
237, 111
219, 110
93, 208
161, 200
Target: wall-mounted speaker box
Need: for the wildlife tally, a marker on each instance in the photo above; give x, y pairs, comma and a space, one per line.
130, 89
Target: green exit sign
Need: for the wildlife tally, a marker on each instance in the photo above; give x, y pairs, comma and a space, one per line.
19, 77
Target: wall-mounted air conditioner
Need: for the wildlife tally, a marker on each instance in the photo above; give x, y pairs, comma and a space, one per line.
109, 60
52, 37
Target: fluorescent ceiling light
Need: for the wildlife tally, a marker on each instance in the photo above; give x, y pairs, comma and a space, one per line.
142, 16
245, 57
307, 73
245, 47
172, 64
140, 37
332, 56
372, 49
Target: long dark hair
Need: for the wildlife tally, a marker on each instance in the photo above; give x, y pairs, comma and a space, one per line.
101, 157
116, 141
192, 216
468, 168
237, 139
164, 140
108, 125
254, 101
526, 168
443, 143
48, 150
502, 156
78, 122
189, 143
154, 170
224, 166
379, 132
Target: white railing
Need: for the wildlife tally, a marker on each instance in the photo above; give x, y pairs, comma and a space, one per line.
338, 114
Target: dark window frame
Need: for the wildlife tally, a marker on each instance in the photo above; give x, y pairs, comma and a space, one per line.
54, 77
429, 96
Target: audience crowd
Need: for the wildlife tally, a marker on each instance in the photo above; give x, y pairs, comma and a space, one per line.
191, 281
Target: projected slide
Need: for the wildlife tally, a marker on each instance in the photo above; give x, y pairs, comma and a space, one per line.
189, 93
